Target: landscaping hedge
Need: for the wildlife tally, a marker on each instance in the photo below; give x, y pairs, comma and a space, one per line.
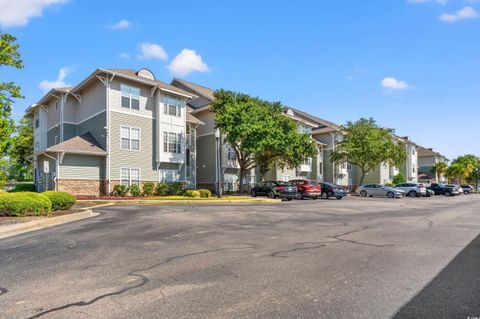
23, 188
24, 204
148, 188
192, 193
135, 190
60, 200
205, 193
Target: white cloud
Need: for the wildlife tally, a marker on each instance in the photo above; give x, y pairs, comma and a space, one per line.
121, 25
394, 84
124, 55
152, 51
465, 13
16, 13
186, 62
46, 85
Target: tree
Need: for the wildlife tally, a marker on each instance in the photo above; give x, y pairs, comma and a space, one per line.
9, 56
456, 172
464, 166
259, 133
399, 178
367, 145
21, 151
439, 168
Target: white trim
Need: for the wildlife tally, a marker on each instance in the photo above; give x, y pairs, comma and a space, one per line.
130, 138
53, 126
207, 134
177, 93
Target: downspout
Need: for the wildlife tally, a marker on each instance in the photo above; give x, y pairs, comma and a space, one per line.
62, 103
108, 80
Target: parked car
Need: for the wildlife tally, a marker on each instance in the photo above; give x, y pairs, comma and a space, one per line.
274, 189
443, 189
380, 190
307, 188
467, 189
332, 190
412, 189
430, 193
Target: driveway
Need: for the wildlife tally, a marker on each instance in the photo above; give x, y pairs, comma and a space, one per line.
355, 258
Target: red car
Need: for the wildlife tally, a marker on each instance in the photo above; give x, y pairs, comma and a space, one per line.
307, 188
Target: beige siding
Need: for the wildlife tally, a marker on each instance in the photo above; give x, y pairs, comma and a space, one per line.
143, 159
147, 102
93, 101
82, 167
70, 110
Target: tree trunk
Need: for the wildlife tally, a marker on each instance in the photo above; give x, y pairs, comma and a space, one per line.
241, 175
362, 177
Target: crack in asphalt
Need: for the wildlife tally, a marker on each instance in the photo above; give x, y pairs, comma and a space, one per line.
3, 291
135, 273
338, 237
280, 254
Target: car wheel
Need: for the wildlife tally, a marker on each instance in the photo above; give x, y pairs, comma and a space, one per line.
448, 194
253, 194
271, 195
300, 195
412, 194
289, 198
390, 195
325, 195
363, 193
339, 197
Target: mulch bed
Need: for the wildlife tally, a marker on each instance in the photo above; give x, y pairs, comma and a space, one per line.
8, 220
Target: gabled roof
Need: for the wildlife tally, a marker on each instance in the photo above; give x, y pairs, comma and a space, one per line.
83, 144
422, 151
132, 74
320, 122
192, 119
197, 88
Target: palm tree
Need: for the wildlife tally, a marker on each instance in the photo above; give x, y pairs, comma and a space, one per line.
439, 169
456, 172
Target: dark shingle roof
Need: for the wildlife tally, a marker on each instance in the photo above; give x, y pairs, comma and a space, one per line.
83, 144
201, 90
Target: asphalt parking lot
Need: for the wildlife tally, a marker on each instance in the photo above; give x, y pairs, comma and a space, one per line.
355, 258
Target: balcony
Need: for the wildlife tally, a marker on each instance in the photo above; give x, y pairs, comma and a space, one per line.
341, 169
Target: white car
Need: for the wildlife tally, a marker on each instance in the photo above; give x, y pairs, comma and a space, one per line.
380, 190
412, 189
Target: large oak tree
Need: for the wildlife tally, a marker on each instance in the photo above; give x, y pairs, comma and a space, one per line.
259, 132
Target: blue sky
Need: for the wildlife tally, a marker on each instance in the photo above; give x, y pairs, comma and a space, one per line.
413, 65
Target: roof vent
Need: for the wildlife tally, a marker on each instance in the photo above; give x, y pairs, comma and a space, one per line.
290, 112
146, 73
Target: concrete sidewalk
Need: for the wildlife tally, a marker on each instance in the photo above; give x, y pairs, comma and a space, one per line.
251, 200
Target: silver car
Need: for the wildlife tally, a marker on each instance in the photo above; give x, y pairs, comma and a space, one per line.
380, 191
412, 189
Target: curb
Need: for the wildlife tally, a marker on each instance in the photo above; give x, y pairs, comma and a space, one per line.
169, 202
16, 229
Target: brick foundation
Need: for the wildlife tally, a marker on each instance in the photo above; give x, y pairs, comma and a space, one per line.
82, 187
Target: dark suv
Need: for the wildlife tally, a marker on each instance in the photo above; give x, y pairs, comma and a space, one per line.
442, 189
274, 189
307, 188
331, 190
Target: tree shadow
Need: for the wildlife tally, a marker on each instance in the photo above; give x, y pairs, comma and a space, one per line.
453, 293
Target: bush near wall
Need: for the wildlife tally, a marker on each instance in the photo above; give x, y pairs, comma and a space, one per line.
135, 190
120, 190
148, 188
60, 200
205, 193
24, 204
192, 193
23, 188
161, 189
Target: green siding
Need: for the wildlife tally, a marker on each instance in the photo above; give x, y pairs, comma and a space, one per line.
69, 131
51, 136
142, 159
96, 125
206, 159
76, 166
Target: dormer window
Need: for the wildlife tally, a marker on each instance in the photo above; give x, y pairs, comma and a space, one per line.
130, 97
172, 105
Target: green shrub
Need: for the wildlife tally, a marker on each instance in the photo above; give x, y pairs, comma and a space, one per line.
205, 193
390, 184
175, 188
161, 189
399, 178
148, 189
60, 200
135, 190
24, 204
23, 188
120, 190
192, 193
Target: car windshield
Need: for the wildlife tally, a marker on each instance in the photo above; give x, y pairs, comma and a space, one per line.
312, 183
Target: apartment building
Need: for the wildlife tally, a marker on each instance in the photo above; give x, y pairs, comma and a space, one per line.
117, 126
427, 158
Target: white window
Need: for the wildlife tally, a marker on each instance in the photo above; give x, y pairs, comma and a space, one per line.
130, 97
172, 142
130, 138
130, 176
231, 155
169, 175
172, 105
